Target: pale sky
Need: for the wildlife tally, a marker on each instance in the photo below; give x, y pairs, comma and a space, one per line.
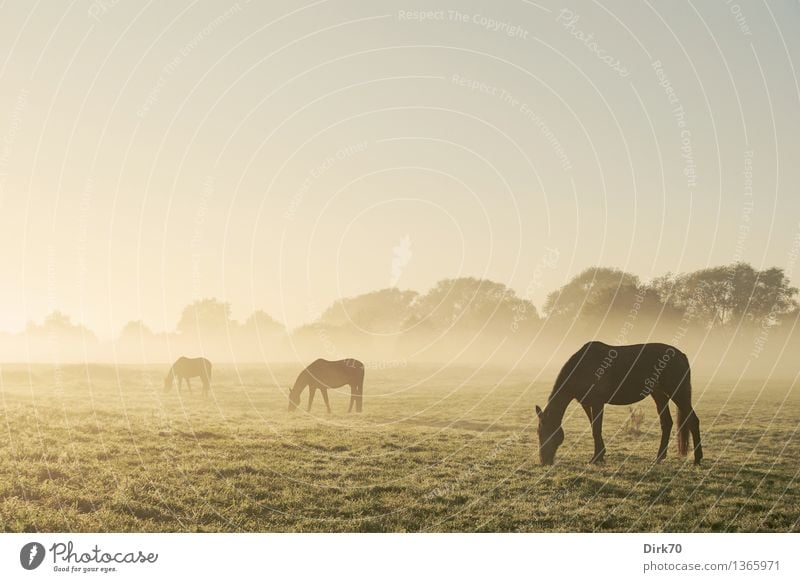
280, 157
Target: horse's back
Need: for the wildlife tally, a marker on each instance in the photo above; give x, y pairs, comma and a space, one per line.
624, 374
595, 351
336, 373
192, 366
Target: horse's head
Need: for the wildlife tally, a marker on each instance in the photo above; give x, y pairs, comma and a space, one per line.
551, 435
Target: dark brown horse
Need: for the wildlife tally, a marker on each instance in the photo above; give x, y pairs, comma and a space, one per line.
186, 368
600, 374
324, 374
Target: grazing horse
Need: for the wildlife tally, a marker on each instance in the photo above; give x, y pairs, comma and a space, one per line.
323, 374
185, 368
600, 374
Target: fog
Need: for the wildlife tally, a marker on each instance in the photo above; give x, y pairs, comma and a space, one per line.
733, 322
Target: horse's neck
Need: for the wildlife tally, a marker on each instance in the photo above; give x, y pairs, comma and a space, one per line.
301, 382
558, 402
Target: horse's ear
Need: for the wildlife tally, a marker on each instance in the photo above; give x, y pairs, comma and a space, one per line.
538, 410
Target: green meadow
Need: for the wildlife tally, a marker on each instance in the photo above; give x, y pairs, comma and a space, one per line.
104, 448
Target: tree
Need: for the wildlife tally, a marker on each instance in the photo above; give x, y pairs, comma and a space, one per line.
382, 311
473, 304
263, 324
593, 290
207, 316
773, 296
732, 294
59, 324
135, 331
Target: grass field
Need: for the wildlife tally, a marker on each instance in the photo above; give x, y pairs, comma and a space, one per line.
107, 449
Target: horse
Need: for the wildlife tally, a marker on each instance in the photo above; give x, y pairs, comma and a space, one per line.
324, 374
186, 368
600, 374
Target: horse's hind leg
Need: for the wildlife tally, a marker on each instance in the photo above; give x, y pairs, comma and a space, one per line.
662, 405
694, 426
356, 392
688, 422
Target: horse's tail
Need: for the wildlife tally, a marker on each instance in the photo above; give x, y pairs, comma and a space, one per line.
684, 410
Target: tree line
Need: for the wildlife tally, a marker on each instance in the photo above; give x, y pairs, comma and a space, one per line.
599, 302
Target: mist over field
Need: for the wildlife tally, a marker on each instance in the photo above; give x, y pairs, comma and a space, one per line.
734, 322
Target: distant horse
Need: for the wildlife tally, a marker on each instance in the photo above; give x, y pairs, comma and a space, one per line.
185, 368
324, 374
600, 374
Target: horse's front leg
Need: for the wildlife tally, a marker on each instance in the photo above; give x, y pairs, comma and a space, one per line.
325, 398
311, 391
596, 411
